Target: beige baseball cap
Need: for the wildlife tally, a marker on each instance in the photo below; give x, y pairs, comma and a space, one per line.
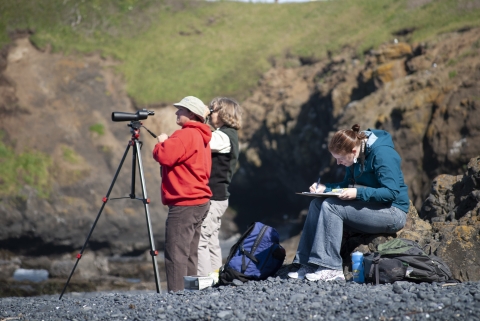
193, 104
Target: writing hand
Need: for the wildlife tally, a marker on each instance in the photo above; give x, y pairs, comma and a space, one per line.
317, 188
348, 194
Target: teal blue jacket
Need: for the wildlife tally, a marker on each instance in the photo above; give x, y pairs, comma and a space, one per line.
382, 178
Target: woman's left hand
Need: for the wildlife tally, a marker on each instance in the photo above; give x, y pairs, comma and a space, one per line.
348, 194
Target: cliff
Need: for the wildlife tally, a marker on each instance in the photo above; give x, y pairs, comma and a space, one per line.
424, 94
56, 128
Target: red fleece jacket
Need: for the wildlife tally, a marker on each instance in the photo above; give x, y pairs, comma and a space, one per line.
186, 164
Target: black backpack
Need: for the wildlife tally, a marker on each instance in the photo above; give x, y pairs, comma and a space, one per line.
402, 259
256, 255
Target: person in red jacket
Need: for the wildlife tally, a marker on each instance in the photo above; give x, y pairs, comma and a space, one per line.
186, 163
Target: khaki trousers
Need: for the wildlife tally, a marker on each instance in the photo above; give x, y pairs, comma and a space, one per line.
209, 252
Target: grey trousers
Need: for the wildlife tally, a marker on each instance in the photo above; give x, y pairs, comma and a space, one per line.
182, 233
209, 252
323, 229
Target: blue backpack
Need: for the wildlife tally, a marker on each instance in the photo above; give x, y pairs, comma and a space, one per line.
256, 255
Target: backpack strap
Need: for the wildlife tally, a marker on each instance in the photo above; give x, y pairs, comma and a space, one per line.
375, 261
247, 254
254, 248
239, 243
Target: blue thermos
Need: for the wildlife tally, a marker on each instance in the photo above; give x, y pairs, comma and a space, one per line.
357, 267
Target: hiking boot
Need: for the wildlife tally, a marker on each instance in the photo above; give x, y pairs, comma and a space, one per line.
302, 271
324, 274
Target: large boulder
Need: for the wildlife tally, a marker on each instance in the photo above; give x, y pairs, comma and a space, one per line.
453, 208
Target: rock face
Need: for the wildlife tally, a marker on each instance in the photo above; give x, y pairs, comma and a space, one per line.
60, 107
424, 94
453, 208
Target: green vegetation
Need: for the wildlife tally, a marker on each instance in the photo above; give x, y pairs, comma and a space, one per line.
451, 62
173, 48
97, 128
69, 155
28, 168
452, 74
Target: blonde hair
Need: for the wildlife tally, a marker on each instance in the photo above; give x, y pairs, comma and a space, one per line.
229, 111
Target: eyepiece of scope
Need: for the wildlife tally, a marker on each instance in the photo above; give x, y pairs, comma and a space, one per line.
139, 115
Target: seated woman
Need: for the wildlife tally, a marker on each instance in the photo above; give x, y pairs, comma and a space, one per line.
378, 204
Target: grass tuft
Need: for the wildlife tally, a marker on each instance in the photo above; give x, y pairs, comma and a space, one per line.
69, 155
97, 128
28, 168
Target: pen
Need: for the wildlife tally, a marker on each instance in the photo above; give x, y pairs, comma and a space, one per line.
318, 183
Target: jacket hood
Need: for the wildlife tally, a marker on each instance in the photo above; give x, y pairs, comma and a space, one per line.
202, 128
378, 138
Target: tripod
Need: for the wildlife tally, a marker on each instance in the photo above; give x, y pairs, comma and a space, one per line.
136, 156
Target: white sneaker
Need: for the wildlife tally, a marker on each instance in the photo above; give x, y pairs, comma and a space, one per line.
324, 274
302, 271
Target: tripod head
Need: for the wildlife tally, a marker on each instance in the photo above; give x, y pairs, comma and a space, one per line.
135, 125
135, 129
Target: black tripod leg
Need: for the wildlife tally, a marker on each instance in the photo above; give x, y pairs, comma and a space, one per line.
134, 164
146, 201
105, 199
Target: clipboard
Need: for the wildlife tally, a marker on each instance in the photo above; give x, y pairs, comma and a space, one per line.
328, 194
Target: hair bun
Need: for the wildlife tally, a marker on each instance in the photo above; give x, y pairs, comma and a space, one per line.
356, 128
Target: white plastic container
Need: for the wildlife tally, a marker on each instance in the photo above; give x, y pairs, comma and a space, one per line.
30, 275
196, 282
